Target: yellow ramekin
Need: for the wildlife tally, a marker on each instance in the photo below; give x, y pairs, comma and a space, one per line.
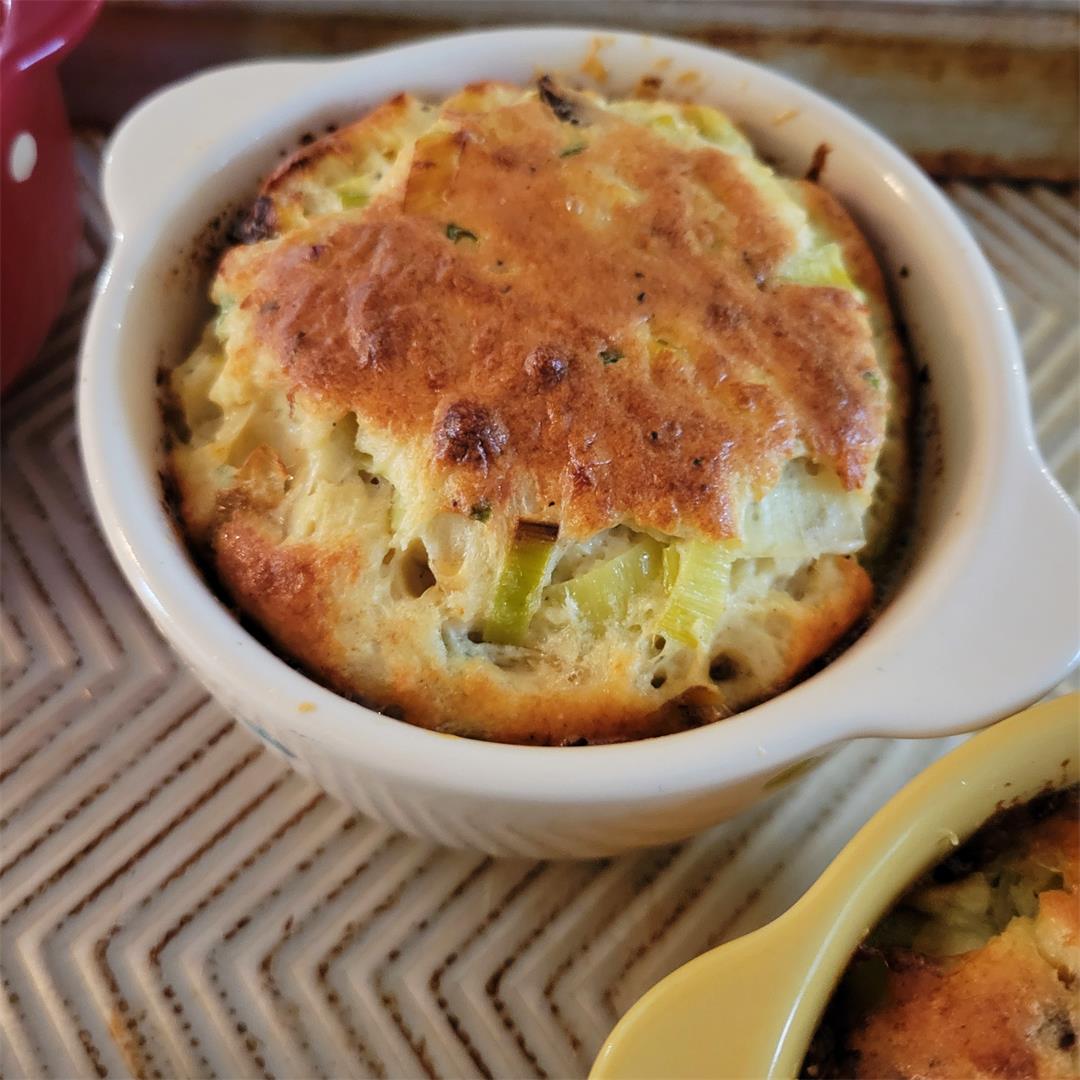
748, 1008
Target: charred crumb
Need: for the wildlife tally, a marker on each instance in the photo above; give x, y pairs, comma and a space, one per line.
470, 434
174, 422
206, 249
817, 162
670, 431
641, 298
905, 272
170, 493
456, 233
171, 500
307, 138
724, 317
546, 531
547, 366
259, 224
565, 110
1066, 1032
648, 87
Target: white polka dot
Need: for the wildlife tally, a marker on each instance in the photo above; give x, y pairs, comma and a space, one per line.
23, 157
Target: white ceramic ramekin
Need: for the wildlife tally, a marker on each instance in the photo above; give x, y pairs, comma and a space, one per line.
985, 622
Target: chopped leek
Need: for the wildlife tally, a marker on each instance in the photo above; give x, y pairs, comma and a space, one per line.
717, 128
518, 591
671, 567
603, 594
807, 513
822, 265
659, 346
699, 592
353, 193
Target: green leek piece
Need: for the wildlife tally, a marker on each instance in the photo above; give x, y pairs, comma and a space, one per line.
518, 591
822, 265
671, 566
699, 593
717, 128
353, 193
603, 594
658, 346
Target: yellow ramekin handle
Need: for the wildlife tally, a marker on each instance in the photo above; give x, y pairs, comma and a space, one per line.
724, 1014
737, 1011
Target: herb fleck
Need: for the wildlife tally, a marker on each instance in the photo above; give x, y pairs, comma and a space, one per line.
571, 151
872, 378
610, 356
696, 462
480, 512
456, 233
640, 297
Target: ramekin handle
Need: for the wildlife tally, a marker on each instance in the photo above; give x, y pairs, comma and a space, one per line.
149, 151
998, 630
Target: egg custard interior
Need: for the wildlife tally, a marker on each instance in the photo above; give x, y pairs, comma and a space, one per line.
538, 417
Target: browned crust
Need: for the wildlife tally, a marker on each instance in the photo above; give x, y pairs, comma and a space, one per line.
287, 590
847, 602
292, 593
1007, 1009
863, 266
999, 1011
387, 316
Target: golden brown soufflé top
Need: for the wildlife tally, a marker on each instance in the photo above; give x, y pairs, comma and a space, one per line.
535, 306
492, 309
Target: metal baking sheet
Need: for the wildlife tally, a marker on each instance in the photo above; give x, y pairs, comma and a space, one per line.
175, 902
